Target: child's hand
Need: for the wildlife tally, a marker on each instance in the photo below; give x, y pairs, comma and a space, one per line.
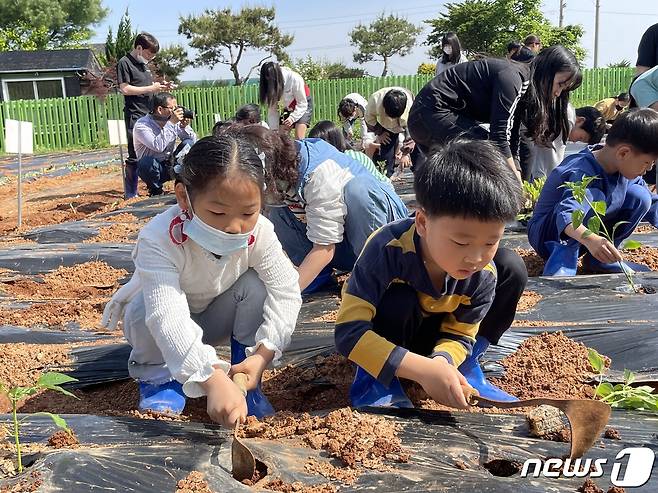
226, 403
253, 366
444, 383
601, 249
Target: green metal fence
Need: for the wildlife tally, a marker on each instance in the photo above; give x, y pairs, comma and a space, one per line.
61, 124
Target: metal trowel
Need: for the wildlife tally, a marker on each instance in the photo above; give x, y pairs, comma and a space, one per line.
587, 418
243, 461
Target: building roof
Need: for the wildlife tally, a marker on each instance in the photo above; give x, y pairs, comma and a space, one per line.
47, 61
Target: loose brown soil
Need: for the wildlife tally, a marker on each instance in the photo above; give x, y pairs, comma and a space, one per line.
345, 475
63, 439
646, 255
193, 483
326, 317
548, 365
528, 300
357, 440
616, 489
589, 486
278, 484
612, 433
116, 233
88, 286
325, 385
460, 464
54, 200
31, 482
645, 228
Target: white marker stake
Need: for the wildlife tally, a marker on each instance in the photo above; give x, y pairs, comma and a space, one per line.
18, 140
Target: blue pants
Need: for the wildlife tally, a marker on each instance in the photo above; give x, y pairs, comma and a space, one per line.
154, 173
637, 203
369, 206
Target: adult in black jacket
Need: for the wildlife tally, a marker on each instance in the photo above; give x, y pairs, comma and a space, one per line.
498, 92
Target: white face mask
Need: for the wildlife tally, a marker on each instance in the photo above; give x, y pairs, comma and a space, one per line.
447, 49
214, 240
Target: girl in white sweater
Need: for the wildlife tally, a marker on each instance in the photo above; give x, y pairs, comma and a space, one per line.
208, 270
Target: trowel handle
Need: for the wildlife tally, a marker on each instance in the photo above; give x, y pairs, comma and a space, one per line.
241, 379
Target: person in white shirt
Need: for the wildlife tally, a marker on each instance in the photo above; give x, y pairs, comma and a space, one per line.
451, 53
154, 138
350, 109
208, 270
329, 204
282, 85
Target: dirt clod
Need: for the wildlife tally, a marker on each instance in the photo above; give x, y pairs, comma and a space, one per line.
589, 486
27, 484
460, 464
193, 483
612, 433
63, 439
616, 489
278, 484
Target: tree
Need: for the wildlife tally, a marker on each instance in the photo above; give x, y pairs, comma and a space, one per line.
311, 69
117, 48
47, 24
623, 63
426, 69
223, 37
486, 26
385, 37
170, 62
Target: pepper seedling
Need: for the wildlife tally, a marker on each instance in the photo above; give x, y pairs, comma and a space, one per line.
595, 224
621, 395
48, 381
531, 192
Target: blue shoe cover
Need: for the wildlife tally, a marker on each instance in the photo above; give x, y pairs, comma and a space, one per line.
563, 260
475, 377
167, 398
613, 267
257, 403
368, 391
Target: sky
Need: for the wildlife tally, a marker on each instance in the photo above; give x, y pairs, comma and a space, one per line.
321, 29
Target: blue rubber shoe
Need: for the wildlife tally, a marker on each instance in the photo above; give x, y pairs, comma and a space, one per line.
257, 403
366, 390
613, 267
563, 260
165, 398
322, 280
472, 371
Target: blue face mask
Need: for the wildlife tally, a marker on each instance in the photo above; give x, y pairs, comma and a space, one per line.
214, 240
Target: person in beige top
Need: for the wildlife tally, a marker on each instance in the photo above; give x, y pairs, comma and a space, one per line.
386, 116
610, 108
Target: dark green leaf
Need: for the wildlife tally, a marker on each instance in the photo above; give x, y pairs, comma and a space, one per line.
594, 224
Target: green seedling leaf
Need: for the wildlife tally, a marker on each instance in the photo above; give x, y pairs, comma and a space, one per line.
599, 207
577, 218
18, 393
594, 224
57, 419
646, 388
604, 389
595, 360
53, 378
629, 377
60, 390
631, 245
586, 234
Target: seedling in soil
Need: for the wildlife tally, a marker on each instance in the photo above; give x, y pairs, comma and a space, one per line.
531, 192
595, 224
47, 381
622, 395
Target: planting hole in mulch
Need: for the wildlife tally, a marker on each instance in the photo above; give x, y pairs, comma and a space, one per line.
259, 473
503, 467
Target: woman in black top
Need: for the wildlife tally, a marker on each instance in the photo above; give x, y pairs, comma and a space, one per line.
501, 93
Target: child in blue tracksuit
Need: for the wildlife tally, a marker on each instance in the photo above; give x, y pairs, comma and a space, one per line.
331, 204
630, 151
